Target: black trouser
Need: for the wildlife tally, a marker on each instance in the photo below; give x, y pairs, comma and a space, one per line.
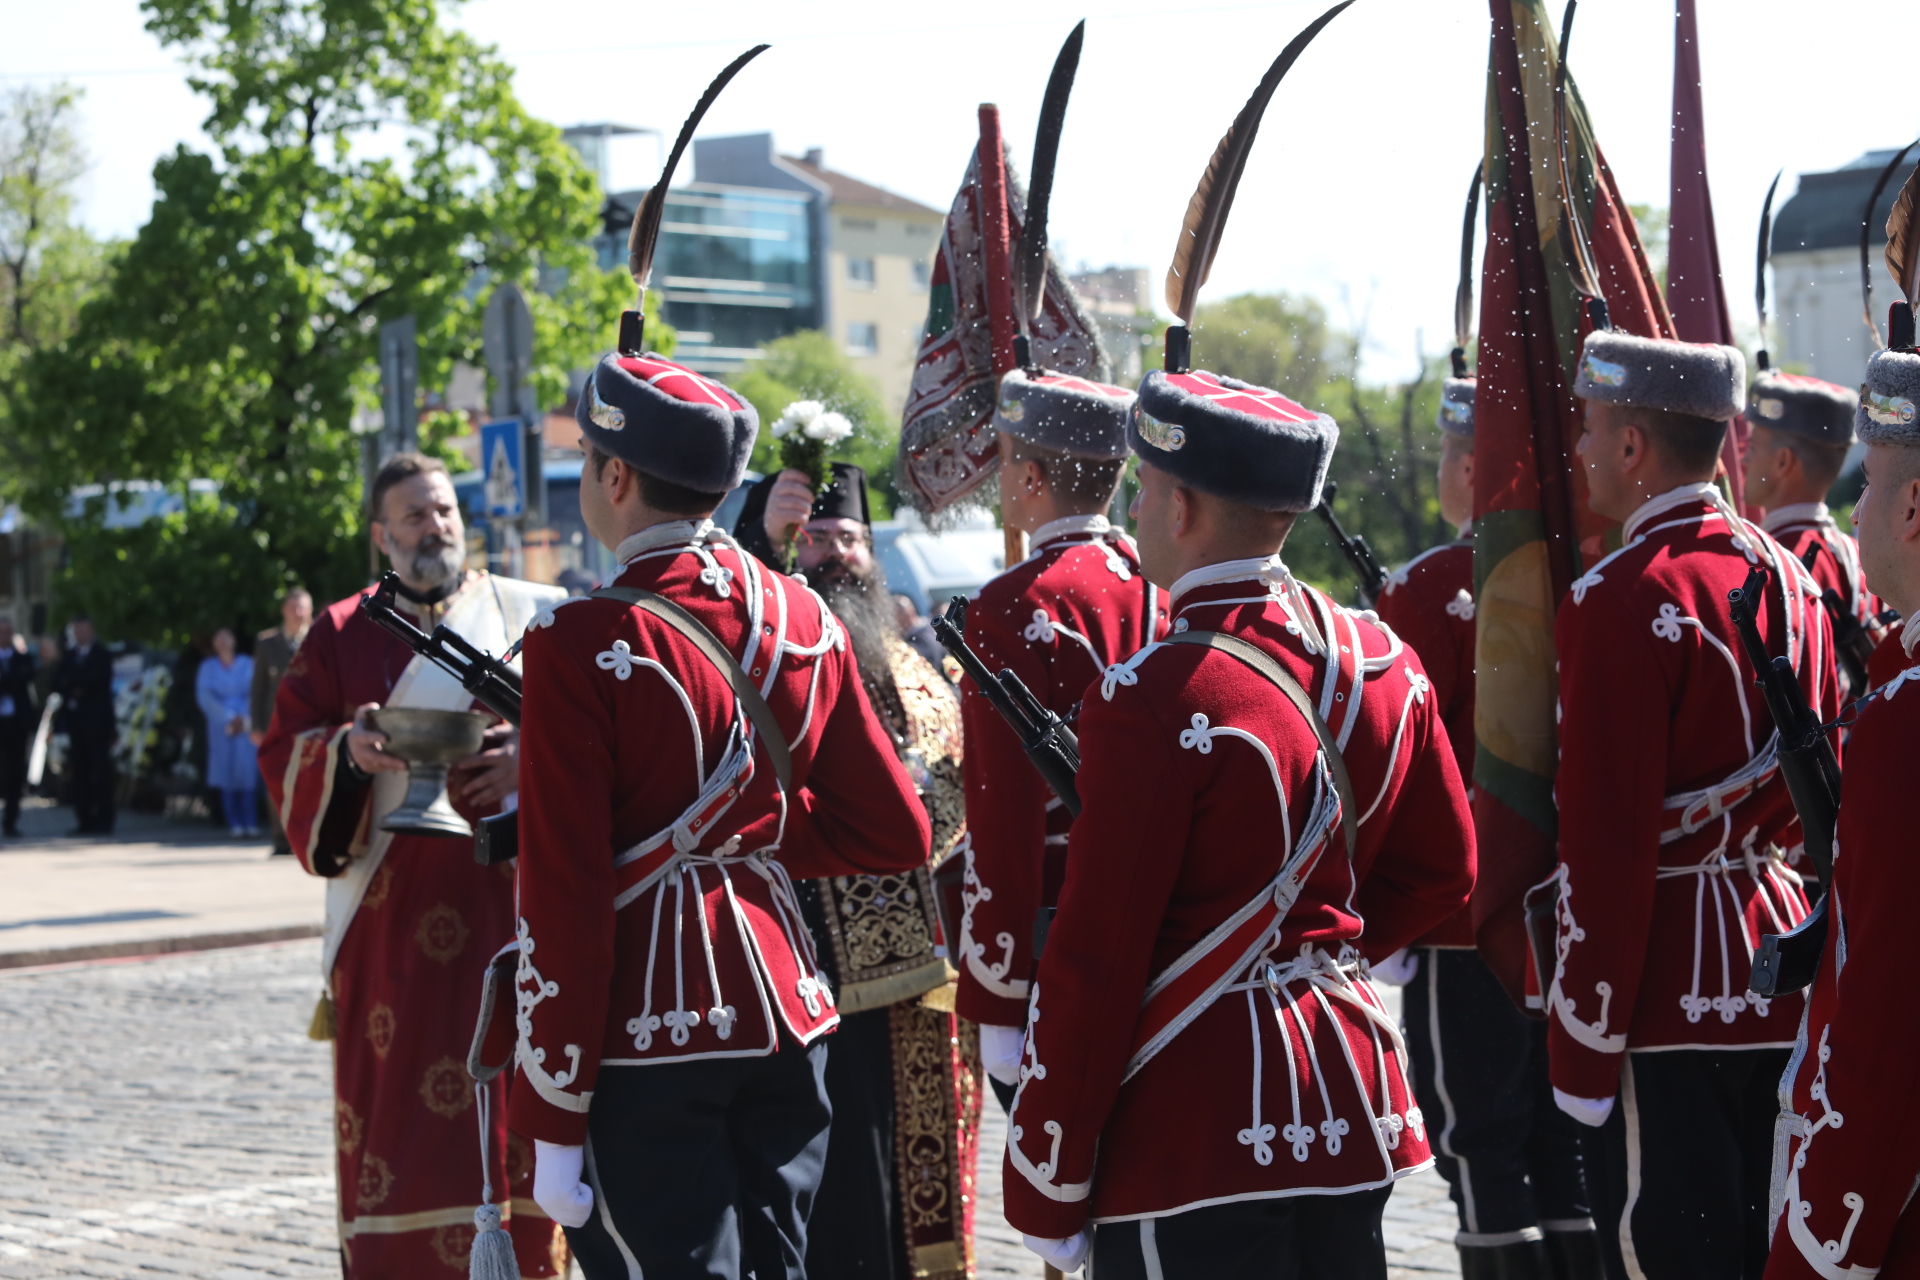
15, 742
1289, 1238
856, 1227
705, 1169
1679, 1171
90, 758
1511, 1158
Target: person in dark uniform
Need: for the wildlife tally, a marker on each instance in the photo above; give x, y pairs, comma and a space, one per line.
17, 707
84, 682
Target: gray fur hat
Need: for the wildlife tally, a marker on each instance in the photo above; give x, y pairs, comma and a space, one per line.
1886, 413
1806, 408
1703, 379
668, 421
1232, 439
1067, 414
1456, 407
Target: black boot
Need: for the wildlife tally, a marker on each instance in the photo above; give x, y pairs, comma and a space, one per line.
1575, 1255
1521, 1260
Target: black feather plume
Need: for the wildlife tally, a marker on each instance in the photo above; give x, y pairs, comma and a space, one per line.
1213, 199
1866, 234
646, 219
1582, 265
1030, 273
1760, 267
1463, 296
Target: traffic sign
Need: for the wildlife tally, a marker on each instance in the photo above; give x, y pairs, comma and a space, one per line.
502, 455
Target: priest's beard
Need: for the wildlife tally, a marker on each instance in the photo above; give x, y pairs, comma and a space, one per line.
864, 607
432, 563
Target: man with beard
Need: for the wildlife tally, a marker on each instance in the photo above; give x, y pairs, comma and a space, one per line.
410, 919
902, 1070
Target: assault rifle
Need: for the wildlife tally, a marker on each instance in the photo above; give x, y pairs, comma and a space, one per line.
1852, 643
1353, 546
493, 684
1044, 736
1788, 961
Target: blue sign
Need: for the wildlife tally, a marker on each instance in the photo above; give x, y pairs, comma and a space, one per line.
504, 490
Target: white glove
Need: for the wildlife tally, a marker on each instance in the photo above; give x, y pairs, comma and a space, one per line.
556, 1183
1398, 968
1588, 1111
1001, 1049
1064, 1256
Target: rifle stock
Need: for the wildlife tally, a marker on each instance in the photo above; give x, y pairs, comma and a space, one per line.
1788, 961
1048, 742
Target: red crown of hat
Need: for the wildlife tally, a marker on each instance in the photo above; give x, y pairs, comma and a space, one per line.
669, 421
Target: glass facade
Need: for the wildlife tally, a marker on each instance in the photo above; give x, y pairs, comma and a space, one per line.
734, 268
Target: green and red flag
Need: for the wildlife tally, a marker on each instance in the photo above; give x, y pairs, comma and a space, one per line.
1534, 535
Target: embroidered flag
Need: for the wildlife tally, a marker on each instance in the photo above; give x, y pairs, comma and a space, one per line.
1533, 532
947, 441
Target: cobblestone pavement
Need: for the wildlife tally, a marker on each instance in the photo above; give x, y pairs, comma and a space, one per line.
168, 1117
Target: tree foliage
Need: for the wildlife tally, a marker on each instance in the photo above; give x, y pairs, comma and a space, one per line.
809, 365
48, 263
368, 163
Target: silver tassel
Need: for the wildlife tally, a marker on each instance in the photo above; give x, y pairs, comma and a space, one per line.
492, 1257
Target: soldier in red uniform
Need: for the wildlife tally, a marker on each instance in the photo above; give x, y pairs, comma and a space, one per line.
1801, 430
1510, 1157
1074, 607
1210, 1084
695, 738
1672, 819
1846, 1162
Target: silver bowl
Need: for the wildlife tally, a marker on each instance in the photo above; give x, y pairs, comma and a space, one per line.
430, 742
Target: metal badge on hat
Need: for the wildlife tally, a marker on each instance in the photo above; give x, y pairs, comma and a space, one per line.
645, 233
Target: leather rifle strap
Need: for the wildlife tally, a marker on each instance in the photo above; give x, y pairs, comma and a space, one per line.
1262, 662
709, 645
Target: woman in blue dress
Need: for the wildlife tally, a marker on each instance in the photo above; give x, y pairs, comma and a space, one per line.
224, 688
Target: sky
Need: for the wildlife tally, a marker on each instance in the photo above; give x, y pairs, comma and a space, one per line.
1354, 190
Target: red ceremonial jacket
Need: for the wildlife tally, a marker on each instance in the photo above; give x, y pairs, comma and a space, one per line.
657, 920
1189, 1040
1059, 618
1428, 602
1672, 812
1845, 1164
1803, 524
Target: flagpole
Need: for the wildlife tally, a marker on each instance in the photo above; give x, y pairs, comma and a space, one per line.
995, 249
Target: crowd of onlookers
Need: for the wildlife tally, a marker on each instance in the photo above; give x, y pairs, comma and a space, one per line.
66, 693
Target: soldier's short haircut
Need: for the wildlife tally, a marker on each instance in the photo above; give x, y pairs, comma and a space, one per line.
1692, 442
1820, 461
661, 495
398, 469
1085, 485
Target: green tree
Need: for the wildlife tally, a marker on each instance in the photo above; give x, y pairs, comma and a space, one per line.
48, 264
368, 163
809, 365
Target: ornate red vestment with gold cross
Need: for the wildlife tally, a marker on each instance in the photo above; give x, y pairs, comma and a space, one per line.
1428, 602
1673, 815
657, 917
1202, 1027
1844, 1163
408, 942
1057, 619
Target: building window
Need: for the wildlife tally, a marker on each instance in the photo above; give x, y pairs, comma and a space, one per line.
860, 272
922, 274
863, 339
859, 224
